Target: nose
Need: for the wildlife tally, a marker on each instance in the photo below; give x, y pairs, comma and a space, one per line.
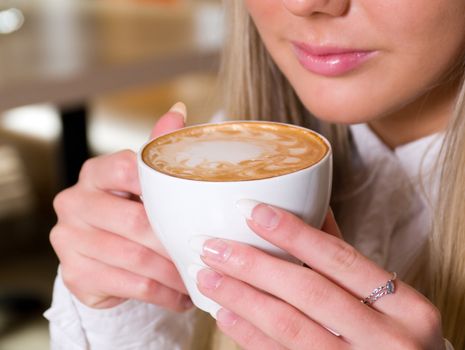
304, 8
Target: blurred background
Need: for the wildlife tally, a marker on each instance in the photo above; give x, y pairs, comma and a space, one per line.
80, 78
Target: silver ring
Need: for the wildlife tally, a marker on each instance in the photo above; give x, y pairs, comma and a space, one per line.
377, 293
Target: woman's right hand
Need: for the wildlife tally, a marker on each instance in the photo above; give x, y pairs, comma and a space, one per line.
107, 250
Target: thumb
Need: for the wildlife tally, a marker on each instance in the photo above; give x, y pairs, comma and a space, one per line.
174, 119
330, 225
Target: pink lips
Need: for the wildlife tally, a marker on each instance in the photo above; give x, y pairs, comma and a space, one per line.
330, 61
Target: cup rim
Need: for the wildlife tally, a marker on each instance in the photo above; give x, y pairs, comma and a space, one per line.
328, 154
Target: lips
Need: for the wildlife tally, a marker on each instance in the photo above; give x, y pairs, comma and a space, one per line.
330, 61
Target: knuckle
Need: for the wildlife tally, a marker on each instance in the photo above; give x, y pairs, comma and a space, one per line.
244, 258
137, 256
68, 203
312, 293
430, 316
63, 240
58, 201
345, 257
294, 227
405, 342
127, 154
435, 319
60, 237
124, 167
62, 201
70, 277
136, 218
180, 301
147, 288
167, 270
87, 169
288, 327
249, 335
55, 237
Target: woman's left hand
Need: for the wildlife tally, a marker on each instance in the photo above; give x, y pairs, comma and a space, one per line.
269, 303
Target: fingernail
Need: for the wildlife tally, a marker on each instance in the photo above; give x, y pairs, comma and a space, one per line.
180, 108
193, 270
266, 217
209, 279
213, 248
262, 214
246, 207
217, 250
226, 318
197, 242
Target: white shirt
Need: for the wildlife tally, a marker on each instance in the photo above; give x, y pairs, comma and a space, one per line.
387, 218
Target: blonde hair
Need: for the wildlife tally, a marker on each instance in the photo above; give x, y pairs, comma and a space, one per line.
255, 88
447, 241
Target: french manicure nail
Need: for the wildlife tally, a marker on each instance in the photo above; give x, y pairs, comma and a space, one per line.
267, 217
217, 250
209, 279
226, 317
180, 108
264, 215
204, 276
197, 242
246, 207
193, 270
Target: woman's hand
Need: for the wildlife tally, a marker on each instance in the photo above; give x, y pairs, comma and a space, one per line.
107, 250
273, 304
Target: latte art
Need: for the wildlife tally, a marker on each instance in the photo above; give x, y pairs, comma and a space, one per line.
235, 151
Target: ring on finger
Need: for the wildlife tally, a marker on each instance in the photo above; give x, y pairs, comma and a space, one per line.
388, 288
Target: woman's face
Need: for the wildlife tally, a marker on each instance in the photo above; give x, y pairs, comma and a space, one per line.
354, 61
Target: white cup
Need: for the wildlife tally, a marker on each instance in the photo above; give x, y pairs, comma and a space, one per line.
180, 209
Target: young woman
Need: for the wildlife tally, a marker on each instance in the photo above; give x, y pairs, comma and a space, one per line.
383, 80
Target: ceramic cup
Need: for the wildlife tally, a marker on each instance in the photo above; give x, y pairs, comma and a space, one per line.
180, 210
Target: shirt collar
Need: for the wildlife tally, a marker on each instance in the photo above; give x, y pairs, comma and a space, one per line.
417, 158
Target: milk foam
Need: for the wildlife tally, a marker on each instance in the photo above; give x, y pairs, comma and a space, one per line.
235, 151
214, 151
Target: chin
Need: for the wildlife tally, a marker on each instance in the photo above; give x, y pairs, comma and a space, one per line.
340, 113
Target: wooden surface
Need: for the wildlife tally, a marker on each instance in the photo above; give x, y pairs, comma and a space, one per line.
71, 50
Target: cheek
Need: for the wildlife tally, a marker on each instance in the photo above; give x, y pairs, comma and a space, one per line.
270, 18
259, 8
432, 34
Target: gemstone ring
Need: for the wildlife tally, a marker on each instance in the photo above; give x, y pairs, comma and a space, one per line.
377, 293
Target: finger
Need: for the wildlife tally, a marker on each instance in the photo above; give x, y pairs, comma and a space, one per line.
94, 280
119, 252
246, 335
115, 172
330, 225
305, 289
108, 212
118, 171
171, 121
275, 318
333, 258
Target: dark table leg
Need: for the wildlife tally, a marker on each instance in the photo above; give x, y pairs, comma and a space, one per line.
75, 149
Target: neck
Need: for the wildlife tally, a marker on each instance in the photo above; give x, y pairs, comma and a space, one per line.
427, 115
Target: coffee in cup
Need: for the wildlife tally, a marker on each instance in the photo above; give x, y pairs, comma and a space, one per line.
235, 151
